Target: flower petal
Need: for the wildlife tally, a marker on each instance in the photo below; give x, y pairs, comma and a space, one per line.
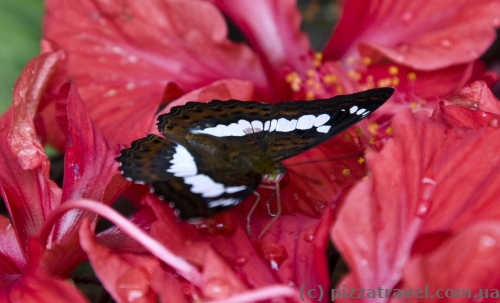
428, 179
468, 261
122, 57
24, 175
425, 36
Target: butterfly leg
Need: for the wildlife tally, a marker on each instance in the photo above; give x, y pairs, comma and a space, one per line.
257, 195
278, 211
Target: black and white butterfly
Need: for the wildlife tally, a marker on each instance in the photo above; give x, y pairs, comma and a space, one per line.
215, 154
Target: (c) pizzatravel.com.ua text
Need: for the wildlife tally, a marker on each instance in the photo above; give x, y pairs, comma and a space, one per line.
344, 292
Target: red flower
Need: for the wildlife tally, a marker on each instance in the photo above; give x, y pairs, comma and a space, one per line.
433, 186
127, 59
29, 194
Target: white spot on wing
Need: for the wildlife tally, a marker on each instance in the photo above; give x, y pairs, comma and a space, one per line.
321, 119
218, 131
183, 164
257, 126
235, 189
359, 112
273, 125
366, 113
222, 202
285, 125
306, 122
323, 129
245, 126
266, 125
204, 185
353, 109
236, 130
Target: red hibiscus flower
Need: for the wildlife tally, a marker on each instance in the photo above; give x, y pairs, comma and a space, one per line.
127, 59
428, 215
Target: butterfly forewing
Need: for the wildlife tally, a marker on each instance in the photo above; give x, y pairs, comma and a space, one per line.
195, 183
299, 125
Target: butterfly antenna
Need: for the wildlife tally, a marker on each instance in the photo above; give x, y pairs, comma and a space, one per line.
276, 215
310, 179
249, 215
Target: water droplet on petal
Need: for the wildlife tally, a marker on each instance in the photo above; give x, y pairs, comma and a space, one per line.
274, 254
445, 43
486, 242
217, 288
363, 262
309, 237
427, 194
496, 21
240, 261
319, 206
218, 225
295, 196
473, 54
494, 122
407, 17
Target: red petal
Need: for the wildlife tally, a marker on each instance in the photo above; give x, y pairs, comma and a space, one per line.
121, 57
425, 36
428, 179
24, 174
272, 28
126, 277
38, 287
12, 257
466, 261
90, 168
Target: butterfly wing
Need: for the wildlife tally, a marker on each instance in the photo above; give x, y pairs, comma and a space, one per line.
195, 185
241, 121
299, 125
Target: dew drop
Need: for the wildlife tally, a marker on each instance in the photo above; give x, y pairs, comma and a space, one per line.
473, 54
219, 225
217, 288
445, 43
319, 206
303, 259
496, 21
295, 196
486, 242
240, 261
274, 254
427, 194
309, 237
407, 17
363, 262
494, 122
332, 177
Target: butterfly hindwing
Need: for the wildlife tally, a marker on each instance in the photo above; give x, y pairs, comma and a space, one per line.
196, 185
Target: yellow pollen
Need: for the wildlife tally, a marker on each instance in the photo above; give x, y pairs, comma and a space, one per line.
369, 78
371, 141
361, 160
295, 87
354, 75
310, 73
346, 171
339, 90
395, 81
393, 70
310, 82
292, 76
309, 95
367, 60
358, 131
317, 86
348, 136
388, 130
318, 56
372, 128
413, 105
351, 60
329, 78
412, 76
384, 82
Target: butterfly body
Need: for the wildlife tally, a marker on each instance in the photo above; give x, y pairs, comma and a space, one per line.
215, 154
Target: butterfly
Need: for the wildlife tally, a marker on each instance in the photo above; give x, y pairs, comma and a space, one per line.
213, 155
